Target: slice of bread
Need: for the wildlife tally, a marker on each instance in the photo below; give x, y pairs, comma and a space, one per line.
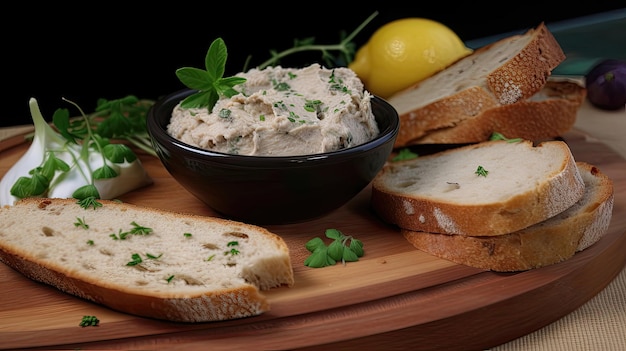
192, 269
504, 72
551, 241
545, 115
444, 192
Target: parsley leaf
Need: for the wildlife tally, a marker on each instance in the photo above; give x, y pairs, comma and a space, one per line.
209, 82
338, 250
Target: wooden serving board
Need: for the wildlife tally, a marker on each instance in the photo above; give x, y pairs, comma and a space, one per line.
394, 297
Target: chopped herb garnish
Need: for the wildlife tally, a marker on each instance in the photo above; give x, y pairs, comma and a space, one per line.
282, 86
480, 171
90, 242
137, 229
312, 105
187, 235
169, 279
136, 259
224, 113
232, 251
89, 201
80, 222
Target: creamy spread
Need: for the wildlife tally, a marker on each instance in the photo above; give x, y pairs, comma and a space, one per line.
282, 112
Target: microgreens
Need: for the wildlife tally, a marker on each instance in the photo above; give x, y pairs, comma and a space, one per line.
343, 248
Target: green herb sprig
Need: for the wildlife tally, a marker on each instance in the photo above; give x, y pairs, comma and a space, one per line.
345, 49
89, 321
80, 222
136, 258
343, 248
481, 171
135, 230
79, 140
210, 82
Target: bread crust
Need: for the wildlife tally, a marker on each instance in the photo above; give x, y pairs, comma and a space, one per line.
554, 240
544, 117
414, 211
526, 72
501, 73
133, 290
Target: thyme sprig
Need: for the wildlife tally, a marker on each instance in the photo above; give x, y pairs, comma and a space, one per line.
346, 49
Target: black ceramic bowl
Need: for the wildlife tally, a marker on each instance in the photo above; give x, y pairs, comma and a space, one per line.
272, 190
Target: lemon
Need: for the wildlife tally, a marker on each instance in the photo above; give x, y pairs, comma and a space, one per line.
404, 52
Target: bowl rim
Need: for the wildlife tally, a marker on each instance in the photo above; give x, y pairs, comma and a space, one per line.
158, 129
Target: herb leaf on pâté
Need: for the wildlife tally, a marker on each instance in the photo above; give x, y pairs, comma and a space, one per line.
210, 82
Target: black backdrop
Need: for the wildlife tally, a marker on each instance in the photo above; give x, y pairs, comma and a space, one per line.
109, 50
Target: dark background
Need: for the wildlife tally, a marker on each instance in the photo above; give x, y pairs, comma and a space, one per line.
93, 51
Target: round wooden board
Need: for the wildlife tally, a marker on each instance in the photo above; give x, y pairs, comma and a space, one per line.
394, 297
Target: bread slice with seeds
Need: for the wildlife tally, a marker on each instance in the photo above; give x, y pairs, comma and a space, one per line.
145, 261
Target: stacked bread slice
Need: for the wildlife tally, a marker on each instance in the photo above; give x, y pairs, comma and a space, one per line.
501, 87
497, 205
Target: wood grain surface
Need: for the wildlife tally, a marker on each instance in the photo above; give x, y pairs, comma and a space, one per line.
394, 297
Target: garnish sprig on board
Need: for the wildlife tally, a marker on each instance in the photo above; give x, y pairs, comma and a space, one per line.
343, 248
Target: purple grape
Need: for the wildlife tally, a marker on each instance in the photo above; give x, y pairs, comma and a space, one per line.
606, 84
